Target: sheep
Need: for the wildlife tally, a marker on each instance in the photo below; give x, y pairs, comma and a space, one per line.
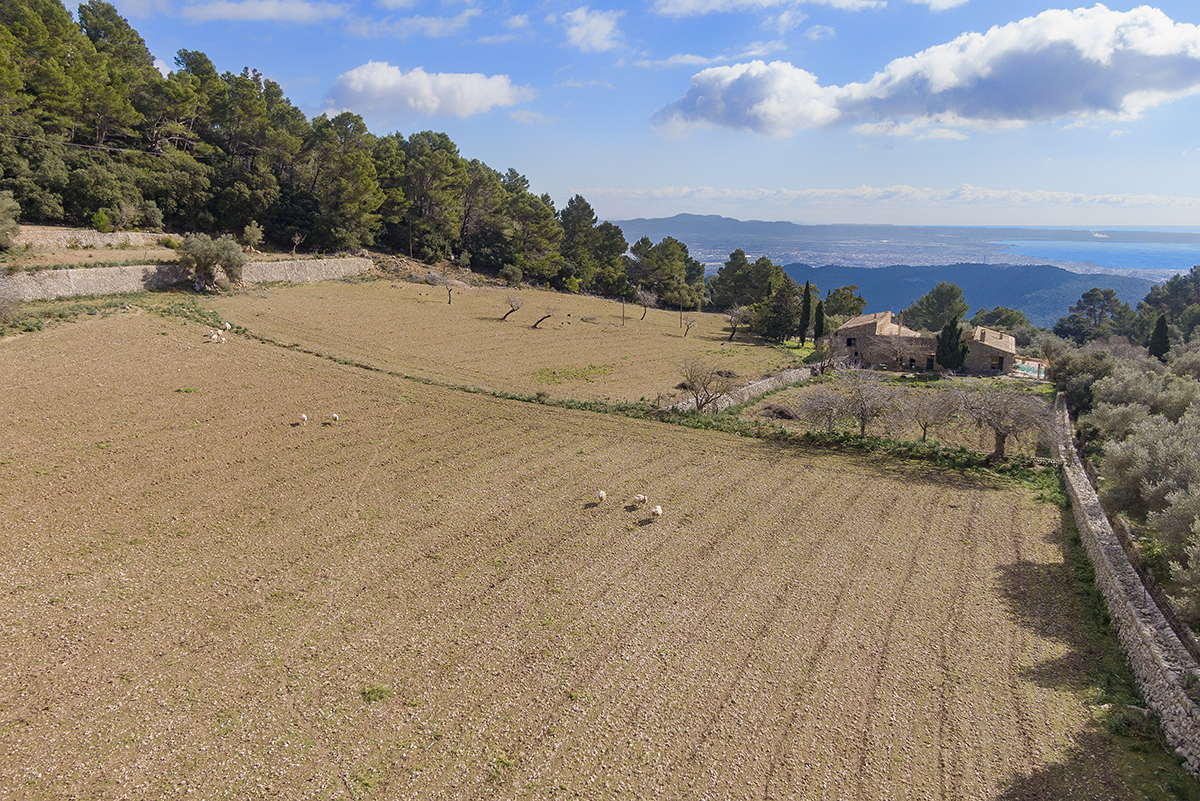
222, 340
213, 336
335, 417
639, 499
303, 418
602, 495
227, 326
656, 512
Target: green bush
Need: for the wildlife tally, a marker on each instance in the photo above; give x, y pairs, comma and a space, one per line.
203, 255
101, 222
9, 212
511, 274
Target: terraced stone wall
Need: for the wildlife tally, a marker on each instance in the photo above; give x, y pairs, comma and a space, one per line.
46, 284
1162, 667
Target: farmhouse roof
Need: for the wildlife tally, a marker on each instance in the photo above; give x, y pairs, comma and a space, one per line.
882, 323
994, 339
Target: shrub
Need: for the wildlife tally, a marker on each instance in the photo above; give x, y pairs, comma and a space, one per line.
511, 274
203, 256
101, 222
9, 212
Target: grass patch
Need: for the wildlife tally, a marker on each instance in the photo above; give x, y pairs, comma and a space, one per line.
548, 375
35, 315
376, 692
1144, 758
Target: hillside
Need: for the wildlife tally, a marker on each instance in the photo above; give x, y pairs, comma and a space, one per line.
1043, 292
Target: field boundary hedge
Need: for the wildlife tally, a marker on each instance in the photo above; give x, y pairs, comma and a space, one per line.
1162, 667
50, 284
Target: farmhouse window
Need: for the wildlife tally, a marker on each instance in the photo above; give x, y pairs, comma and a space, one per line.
997, 362
850, 342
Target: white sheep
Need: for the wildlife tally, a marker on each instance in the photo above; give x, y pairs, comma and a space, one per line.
639, 499
602, 495
335, 417
227, 326
656, 512
303, 418
212, 335
222, 340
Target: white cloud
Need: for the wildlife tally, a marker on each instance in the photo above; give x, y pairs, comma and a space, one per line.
752, 50
900, 195
432, 27
378, 87
786, 20
571, 83
526, 117
593, 31
300, 11
162, 66
940, 5
818, 32
517, 22
1087, 64
691, 8
774, 99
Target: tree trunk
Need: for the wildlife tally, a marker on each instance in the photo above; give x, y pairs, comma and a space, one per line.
505, 317
644, 310
998, 453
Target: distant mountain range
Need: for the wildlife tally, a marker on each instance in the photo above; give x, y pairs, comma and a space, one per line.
894, 265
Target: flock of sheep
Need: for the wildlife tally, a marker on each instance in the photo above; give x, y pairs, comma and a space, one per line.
638, 500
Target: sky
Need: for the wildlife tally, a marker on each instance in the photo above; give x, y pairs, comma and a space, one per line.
910, 112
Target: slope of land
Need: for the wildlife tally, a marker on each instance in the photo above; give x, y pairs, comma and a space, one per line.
426, 600
583, 351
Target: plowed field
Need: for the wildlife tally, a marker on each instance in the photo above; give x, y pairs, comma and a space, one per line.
199, 594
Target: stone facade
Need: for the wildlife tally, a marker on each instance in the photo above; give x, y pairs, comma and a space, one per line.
879, 340
1161, 665
46, 284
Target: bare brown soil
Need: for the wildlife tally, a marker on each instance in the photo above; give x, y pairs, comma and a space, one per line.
198, 589
583, 351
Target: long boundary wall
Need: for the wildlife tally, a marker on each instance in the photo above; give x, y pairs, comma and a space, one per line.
47, 284
1161, 666
750, 391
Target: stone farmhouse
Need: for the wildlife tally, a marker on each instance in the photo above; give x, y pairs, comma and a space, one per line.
882, 340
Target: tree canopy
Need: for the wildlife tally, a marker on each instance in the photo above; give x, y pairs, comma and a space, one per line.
935, 308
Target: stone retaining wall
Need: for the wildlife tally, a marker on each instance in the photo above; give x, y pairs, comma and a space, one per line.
1161, 666
46, 284
750, 391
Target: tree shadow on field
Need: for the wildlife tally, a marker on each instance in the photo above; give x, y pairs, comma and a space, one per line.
1041, 598
1087, 772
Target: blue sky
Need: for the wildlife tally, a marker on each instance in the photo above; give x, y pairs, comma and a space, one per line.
929, 112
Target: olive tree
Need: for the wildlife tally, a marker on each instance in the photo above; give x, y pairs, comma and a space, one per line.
204, 256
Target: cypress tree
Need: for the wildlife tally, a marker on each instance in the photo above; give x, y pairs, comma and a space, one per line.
951, 347
805, 311
1160, 341
819, 321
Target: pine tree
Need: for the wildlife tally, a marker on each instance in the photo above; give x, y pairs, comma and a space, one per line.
951, 347
805, 311
1160, 341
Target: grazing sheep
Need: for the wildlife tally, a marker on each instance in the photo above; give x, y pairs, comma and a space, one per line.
335, 417
602, 495
639, 499
656, 512
213, 336
304, 418
227, 326
222, 340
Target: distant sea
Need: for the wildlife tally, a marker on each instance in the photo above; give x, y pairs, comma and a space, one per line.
1123, 255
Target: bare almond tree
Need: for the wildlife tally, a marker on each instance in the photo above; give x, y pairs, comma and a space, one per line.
547, 313
646, 299
823, 408
446, 282
706, 383
866, 396
688, 324
1006, 413
737, 315
929, 409
514, 302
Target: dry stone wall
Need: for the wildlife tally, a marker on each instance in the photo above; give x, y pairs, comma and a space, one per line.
47, 284
1161, 666
751, 391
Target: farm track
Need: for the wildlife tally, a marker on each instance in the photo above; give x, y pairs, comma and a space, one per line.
198, 588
